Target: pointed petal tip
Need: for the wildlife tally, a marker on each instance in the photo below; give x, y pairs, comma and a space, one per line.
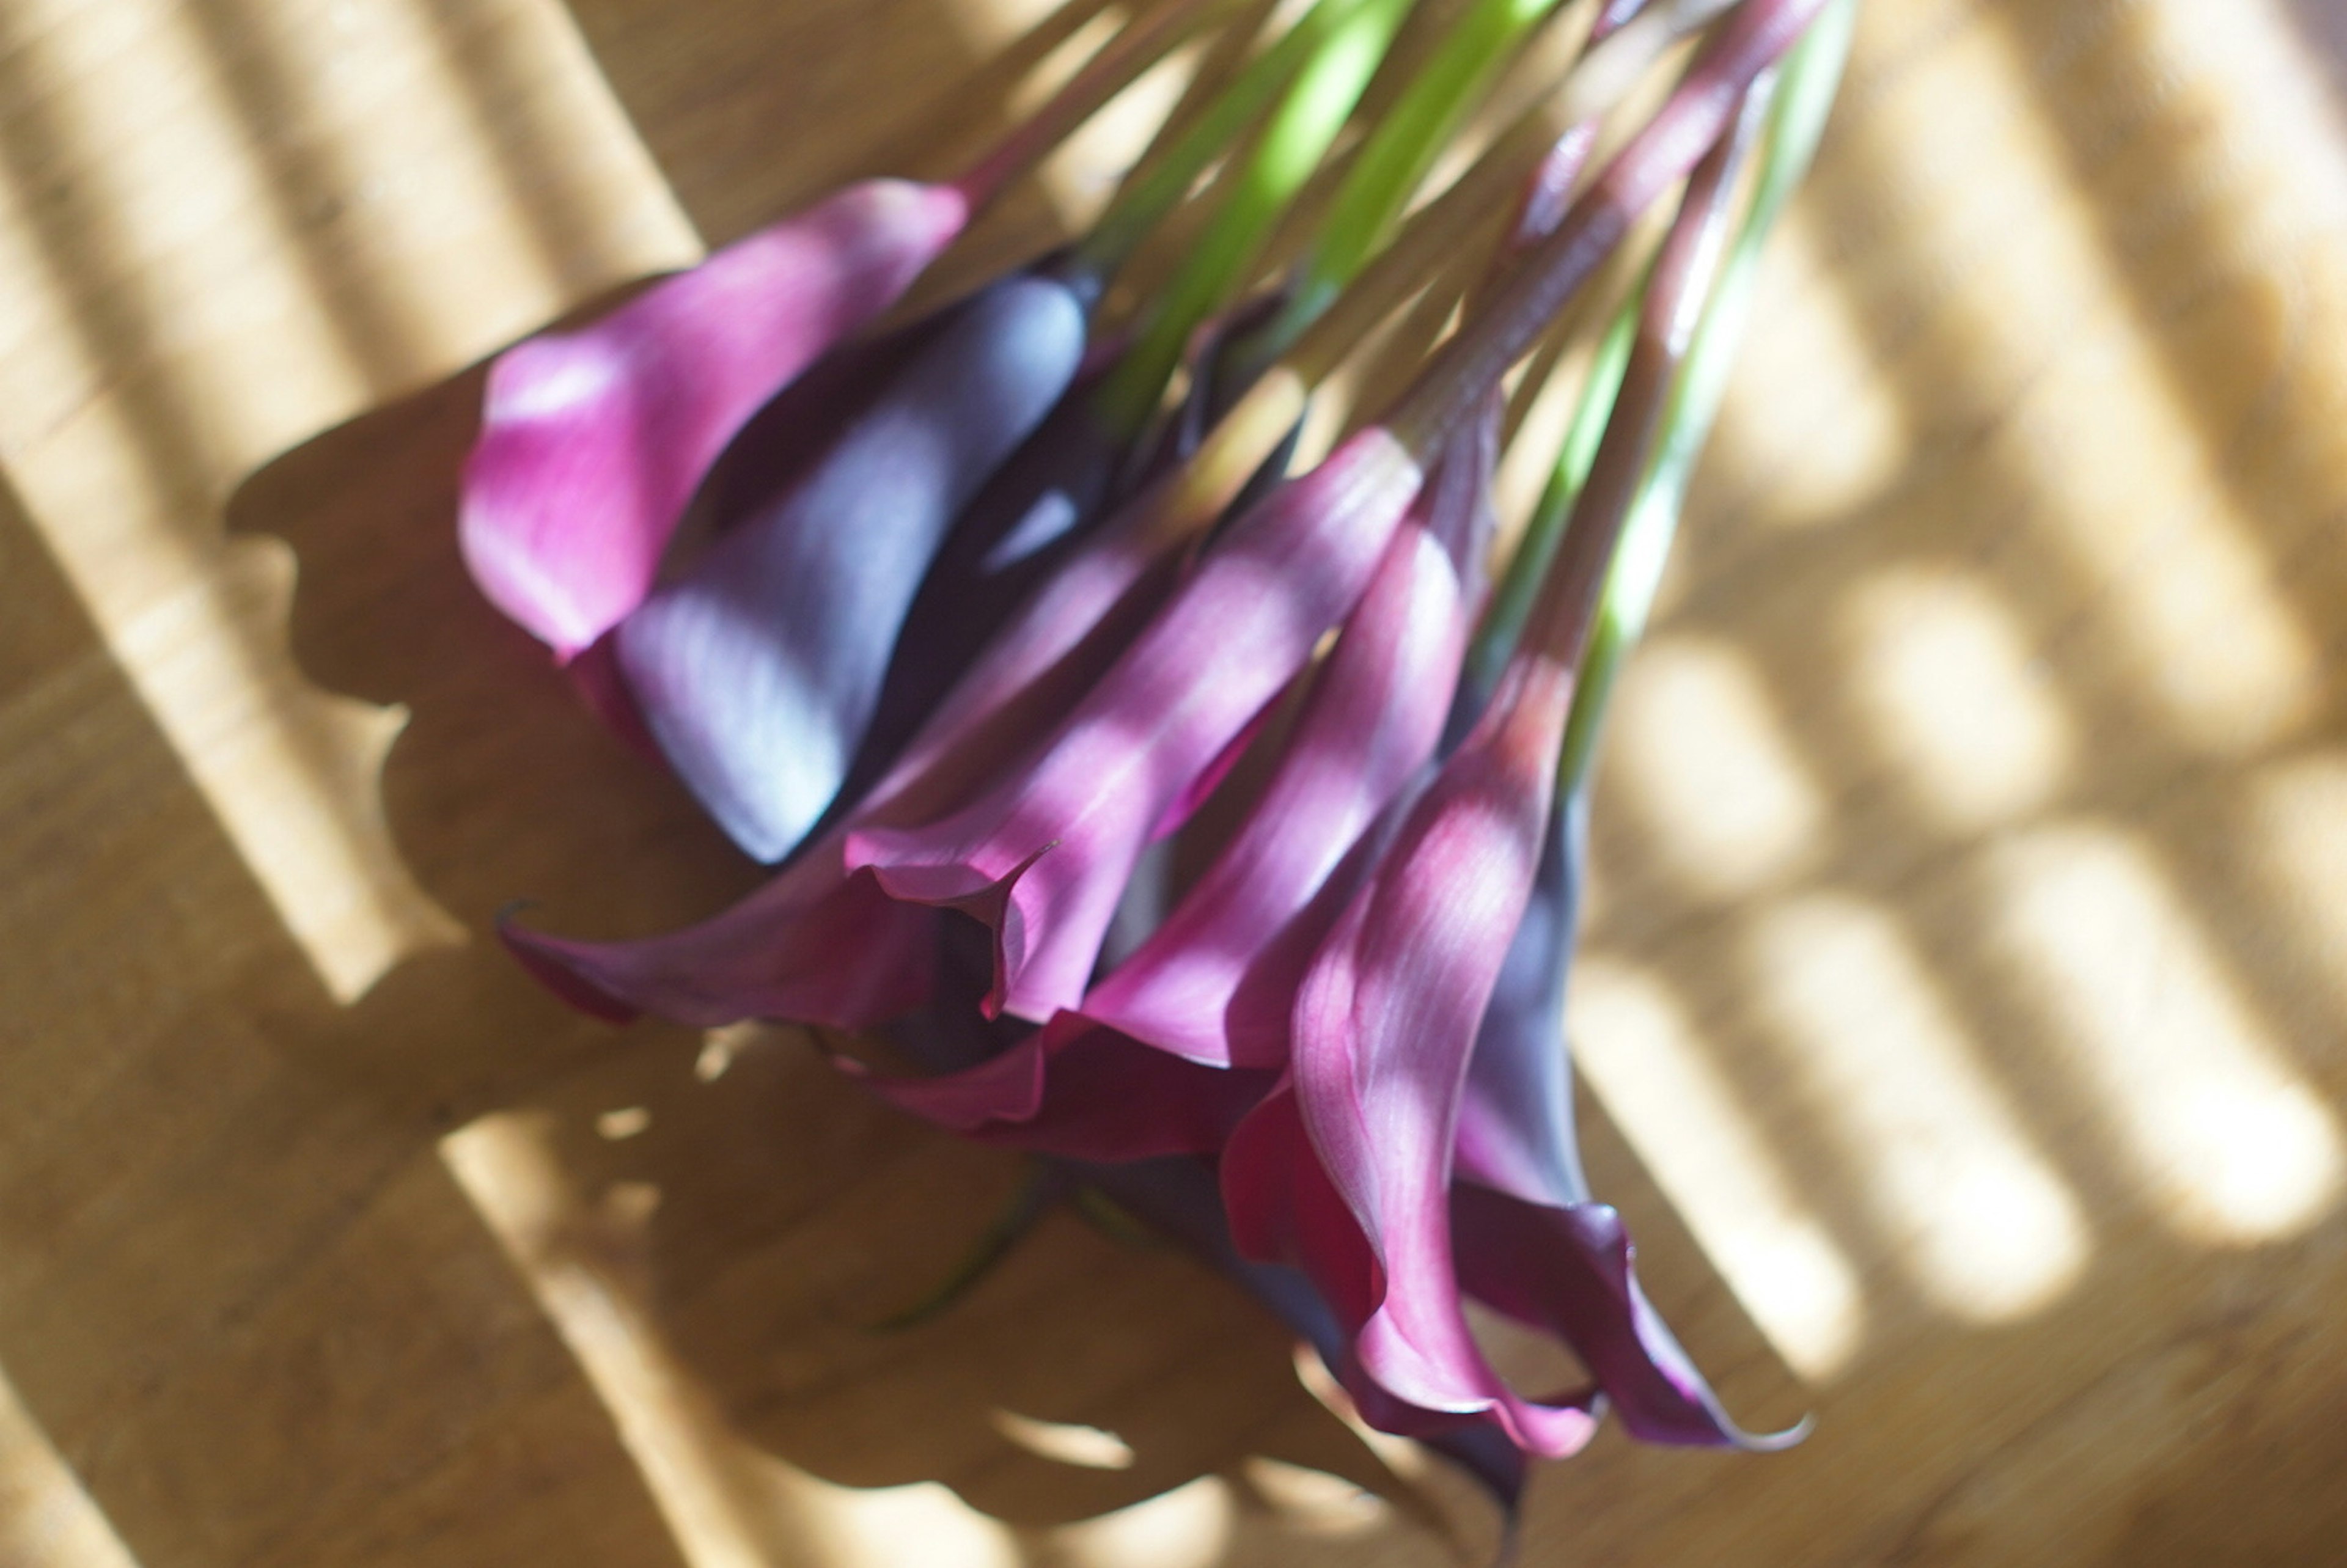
1773, 1442
546, 962
946, 883
959, 884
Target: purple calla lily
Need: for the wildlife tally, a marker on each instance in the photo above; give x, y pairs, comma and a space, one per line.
1353, 1168
592, 441
819, 942
758, 670
1215, 982
1057, 840
1084, 1086
1351, 1021
1383, 1027
1530, 1241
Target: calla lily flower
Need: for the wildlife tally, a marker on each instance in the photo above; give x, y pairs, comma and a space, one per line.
819, 942
1052, 846
1530, 1240
1351, 1166
593, 441
759, 668
1351, 1023
1058, 840
1217, 980
1222, 968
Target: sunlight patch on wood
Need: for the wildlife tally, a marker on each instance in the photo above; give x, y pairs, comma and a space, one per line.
2127, 474
1066, 1443
1810, 420
2233, 1145
1700, 757
2296, 811
1988, 1228
1188, 1527
47, 1518
1313, 1502
1943, 675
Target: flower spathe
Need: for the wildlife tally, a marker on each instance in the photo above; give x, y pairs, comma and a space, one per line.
1186, 1034
1060, 837
1384, 1026
758, 669
1530, 1240
593, 440
1215, 982
819, 942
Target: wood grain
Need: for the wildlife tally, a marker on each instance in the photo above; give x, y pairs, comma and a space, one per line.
1965, 988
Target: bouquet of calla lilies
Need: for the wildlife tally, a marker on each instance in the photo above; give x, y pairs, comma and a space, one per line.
959, 622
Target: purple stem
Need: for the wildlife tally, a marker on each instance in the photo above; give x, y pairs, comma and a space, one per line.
1700, 112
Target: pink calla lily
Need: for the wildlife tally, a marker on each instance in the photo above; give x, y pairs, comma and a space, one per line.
1530, 1240
1384, 1025
819, 942
593, 440
1215, 981
1061, 835
1076, 1090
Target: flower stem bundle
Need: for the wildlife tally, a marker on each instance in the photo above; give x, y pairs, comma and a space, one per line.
977, 611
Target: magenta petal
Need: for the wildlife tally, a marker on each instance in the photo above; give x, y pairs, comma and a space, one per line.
1201, 986
1572, 1270
815, 946
592, 441
1233, 635
1384, 1027
818, 945
759, 668
1216, 981
1283, 1207
1084, 1093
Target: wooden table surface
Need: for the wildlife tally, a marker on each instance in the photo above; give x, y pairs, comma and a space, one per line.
1967, 971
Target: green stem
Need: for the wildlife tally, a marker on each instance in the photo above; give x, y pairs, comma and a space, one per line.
1503, 623
1805, 93
1118, 65
1161, 183
1396, 157
1284, 156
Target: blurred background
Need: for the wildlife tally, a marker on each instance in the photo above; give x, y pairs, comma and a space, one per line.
1966, 972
